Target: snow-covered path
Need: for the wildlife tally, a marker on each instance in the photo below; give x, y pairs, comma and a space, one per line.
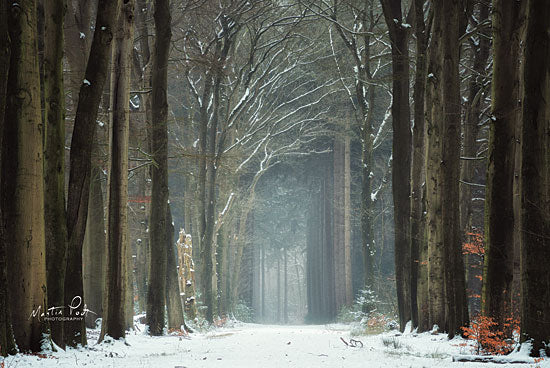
263, 346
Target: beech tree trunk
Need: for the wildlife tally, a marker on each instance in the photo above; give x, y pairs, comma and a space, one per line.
436, 286
401, 173
7, 344
499, 191
116, 285
89, 99
158, 223
54, 160
452, 240
23, 181
535, 181
418, 300
207, 238
446, 270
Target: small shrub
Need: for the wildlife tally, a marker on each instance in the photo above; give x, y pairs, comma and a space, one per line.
488, 339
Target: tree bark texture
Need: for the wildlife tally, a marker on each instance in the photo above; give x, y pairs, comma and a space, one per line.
433, 110
54, 160
454, 270
7, 343
158, 224
535, 181
401, 173
116, 285
418, 301
499, 203
89, 99
23, 181
445, 264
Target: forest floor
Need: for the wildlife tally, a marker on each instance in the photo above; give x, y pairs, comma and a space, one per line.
245, 345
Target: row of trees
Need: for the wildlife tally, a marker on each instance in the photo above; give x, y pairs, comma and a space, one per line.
517, 158
44, 222
469, 144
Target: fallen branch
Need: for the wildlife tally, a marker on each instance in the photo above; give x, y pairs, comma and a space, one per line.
352, 343
492, 359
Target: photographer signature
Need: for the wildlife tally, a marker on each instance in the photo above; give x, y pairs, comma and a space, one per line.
58, 312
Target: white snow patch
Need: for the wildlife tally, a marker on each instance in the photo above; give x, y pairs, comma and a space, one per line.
269, 346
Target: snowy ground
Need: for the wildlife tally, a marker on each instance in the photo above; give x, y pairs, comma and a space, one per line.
265, 346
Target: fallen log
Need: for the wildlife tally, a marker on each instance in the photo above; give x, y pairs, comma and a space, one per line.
493, 359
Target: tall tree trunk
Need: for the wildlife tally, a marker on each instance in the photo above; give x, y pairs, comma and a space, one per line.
54, 160
23, 181
499, 204
418, 301
367, 202
7, 344
116, 285
433, 197
454, 270
156, 293
142, 72
89, 99
401, 173
173, 298
209, 206
446, 269
94, 251
535, 181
